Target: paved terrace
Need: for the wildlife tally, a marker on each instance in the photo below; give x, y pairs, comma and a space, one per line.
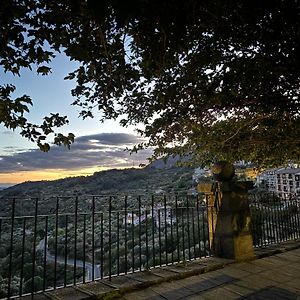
274, 274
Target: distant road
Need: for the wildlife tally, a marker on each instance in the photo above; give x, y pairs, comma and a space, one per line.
70, 262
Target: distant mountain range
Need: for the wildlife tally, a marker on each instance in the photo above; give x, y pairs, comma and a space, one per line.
157, 177
5, 186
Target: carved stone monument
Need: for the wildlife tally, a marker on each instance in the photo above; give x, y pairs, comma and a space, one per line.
229, 218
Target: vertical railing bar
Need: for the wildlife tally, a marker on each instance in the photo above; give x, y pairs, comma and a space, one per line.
257, 228
45, 253
102, 246
276, 215
291, 231
271, 222
66, 250
281, 219
11, 247
140, 234
172, 237
263, 222
284, 221
22, 257
83, 245
207, 225
75, 240
182, 231
147, 237
56, 237
297, 216
264, 229
109, 237
254, 228
125, 233
153, 230
285, 218
34, 245
203, 210
93, 238
177, 228
132, 239
290, 212
261, 227
276, 218
198, 225
188, 226
294, 218
267, 229
193, 230
118, 242
159, 236
166, 233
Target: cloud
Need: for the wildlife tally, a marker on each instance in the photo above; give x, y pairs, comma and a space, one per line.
8, 132
97, 150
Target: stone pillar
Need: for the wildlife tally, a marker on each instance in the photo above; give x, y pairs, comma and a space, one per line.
229, 219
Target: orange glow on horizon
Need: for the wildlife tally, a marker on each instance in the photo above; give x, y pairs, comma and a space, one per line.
47, 174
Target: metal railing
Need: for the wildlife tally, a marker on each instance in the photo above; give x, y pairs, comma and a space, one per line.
56, 242
274, 219
47, 243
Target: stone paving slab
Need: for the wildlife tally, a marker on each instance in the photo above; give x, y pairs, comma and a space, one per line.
219, 293
69, 293
272, 293
269, 277
141, 295
239, 289
171, 290
145, 276
96, 288
164, 273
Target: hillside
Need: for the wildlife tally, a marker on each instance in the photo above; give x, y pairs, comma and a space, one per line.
126, 181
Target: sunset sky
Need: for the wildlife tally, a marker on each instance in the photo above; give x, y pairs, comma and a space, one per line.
97, 146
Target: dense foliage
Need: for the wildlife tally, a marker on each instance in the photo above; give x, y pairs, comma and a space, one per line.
215, 79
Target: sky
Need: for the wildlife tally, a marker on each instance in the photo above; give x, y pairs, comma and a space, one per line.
98, 146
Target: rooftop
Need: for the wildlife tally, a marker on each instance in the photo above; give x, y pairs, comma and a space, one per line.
288, 171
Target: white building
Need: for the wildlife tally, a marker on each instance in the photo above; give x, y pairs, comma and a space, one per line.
287, 181
267, 180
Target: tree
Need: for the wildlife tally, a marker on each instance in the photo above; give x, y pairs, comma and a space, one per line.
208, 79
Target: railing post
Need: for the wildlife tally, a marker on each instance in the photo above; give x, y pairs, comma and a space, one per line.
229, 219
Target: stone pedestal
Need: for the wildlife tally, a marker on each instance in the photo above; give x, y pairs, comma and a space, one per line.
229, 219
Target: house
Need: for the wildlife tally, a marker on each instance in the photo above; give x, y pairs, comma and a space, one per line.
267, 180
287, 182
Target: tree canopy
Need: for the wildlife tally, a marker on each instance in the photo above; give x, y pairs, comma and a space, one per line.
208, 79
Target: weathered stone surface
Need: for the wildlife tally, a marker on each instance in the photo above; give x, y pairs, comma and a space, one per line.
69, 293
172, 291
143, 295
243, 280
206, 187
219, 293
229, 220
122, 282
96, 288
